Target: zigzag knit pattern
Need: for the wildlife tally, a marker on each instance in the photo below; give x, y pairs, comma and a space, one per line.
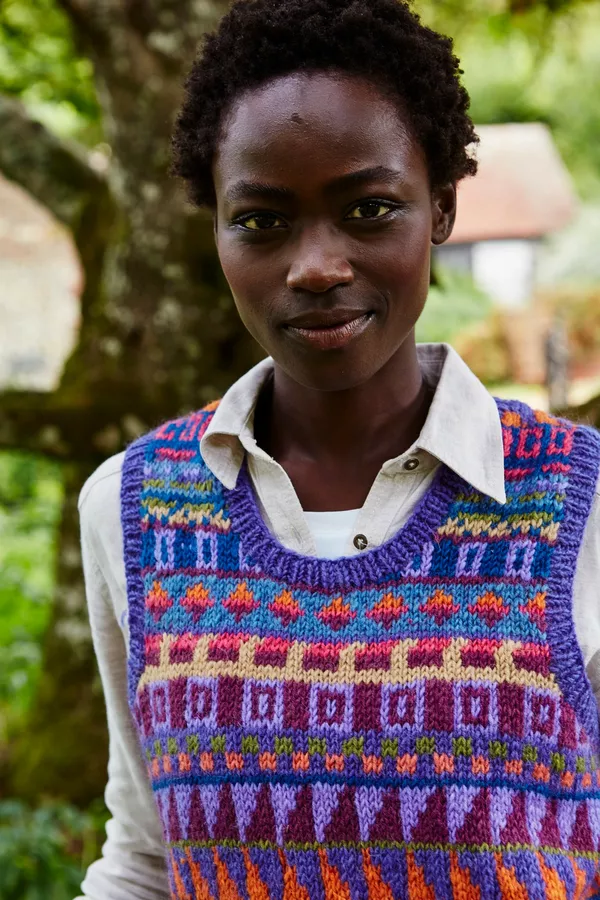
414, 722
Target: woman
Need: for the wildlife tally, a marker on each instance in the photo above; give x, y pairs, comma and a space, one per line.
354, 600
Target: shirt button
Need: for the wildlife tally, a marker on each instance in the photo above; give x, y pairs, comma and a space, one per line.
411, 464
361, 542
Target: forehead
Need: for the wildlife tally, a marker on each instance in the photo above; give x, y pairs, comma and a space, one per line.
320, 124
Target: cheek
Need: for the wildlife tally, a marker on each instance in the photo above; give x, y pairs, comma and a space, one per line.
403, 262
238, 271
248, 287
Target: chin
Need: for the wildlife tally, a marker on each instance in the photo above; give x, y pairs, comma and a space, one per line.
343, 374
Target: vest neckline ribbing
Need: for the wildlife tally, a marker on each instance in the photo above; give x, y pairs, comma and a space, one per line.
375, 566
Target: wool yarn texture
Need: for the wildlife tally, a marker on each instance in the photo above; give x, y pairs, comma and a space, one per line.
412, 722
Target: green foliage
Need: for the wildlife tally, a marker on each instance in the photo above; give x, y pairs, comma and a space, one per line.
521, 75
453, 304
44, 852
39, 63
30, 499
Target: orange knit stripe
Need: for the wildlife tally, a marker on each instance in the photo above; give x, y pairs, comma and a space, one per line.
510, 886
555, 888
201, 886
181, 894
257, 889
377, 887
292, 890
462, 886
418, 889
225, 885
335, 888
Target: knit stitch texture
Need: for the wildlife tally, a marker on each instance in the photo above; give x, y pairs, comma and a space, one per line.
413, 722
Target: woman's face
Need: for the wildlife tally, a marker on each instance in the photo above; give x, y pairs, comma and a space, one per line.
324, 225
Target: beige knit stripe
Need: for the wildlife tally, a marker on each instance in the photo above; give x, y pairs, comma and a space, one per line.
476, 526
398, 673
187, 514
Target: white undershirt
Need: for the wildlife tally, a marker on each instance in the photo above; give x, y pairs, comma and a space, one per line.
332, 531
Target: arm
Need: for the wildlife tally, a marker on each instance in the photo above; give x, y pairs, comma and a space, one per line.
132, 866
586, 597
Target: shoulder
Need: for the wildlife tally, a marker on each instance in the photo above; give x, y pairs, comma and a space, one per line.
184, 429
104, 481
518, 415
99, 498
558, 445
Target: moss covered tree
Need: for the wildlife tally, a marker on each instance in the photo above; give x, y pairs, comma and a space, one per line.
158, 333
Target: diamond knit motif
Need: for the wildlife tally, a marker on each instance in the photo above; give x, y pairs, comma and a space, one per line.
336, 614
196, 601
388, 610
158, 601
413, 722
535, 608
241, 602
286, 608
490, 608
440, 606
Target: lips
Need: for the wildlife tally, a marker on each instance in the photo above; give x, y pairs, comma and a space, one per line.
329, 330
326, 318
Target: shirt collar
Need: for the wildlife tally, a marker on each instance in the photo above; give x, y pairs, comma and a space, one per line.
462, 429
230, 433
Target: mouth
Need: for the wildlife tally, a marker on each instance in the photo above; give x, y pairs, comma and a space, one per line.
329, 332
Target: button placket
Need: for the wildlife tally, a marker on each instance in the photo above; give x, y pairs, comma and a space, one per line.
360, 542
411, 464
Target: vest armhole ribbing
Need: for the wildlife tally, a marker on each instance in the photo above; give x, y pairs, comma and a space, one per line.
566, 654
131, 489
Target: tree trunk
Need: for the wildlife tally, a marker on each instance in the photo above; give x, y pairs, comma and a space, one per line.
587, 414
159, 333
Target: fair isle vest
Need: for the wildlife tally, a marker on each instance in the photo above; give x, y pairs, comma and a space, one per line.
414, 722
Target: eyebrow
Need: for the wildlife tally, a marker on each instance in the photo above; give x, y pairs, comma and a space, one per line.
376, 173
247, 190
244, 190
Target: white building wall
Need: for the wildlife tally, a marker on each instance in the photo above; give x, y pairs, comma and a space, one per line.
506, 271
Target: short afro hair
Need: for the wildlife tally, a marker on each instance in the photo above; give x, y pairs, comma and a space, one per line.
382, 40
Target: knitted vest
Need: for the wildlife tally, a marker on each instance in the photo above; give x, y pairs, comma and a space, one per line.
413, 722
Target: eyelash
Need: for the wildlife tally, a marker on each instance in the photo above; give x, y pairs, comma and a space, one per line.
391, 207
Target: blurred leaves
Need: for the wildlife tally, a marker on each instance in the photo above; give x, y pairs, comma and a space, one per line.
525, 69
30, 500
39, 64
501, 15
44, 852
454, 303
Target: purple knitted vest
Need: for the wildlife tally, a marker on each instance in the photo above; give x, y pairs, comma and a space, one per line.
414, 722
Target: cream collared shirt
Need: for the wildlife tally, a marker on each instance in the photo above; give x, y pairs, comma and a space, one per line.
462, 431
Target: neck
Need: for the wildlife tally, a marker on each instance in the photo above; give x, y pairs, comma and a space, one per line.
372, 422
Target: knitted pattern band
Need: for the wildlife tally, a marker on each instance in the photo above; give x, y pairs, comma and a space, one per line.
413, 722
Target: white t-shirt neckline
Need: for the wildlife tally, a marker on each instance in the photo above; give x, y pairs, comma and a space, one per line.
332, 532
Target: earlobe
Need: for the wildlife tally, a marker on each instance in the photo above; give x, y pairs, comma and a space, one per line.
443, 205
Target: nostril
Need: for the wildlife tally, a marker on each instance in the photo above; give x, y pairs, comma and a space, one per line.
319, 279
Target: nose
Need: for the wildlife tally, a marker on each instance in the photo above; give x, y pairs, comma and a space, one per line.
319, 262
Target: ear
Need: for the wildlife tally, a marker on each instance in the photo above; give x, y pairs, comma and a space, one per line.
443, 213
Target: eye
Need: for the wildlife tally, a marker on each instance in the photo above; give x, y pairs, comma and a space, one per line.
260, 222
370, 209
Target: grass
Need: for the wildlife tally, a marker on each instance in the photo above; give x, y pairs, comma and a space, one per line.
30, 501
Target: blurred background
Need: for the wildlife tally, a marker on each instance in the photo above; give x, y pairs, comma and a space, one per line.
114, 316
